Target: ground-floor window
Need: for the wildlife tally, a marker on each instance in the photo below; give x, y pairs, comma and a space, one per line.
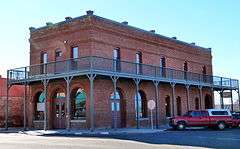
167, 106
40, 106
197, 103
179, 106
208, 102
78, 104
142, 104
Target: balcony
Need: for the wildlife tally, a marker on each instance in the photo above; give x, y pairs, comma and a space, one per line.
110, 67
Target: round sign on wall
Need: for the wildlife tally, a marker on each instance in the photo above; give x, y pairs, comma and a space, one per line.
151, 104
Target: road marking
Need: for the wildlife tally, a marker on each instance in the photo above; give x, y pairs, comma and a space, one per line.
218, 138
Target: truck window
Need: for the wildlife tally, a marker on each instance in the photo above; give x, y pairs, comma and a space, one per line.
219, 113
204, 113
196, 114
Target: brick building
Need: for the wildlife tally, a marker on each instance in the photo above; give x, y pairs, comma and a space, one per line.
93, 72
15, 104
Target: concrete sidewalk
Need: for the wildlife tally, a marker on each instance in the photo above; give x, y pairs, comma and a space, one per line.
76, 132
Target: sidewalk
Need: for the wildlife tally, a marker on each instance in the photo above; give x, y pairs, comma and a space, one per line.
77, 132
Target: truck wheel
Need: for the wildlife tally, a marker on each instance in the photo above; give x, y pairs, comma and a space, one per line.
181, 126
221, 125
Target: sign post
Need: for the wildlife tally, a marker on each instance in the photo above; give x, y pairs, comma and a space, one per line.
151, 106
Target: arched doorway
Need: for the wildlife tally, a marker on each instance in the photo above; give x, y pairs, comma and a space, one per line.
197, 103
118, 108
142, 104
208, 102
39, 100
168, 106
59, 109
179, 106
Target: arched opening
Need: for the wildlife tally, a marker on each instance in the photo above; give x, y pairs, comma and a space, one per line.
179, 106
197, 103
59, 109
118, 105
168, 106
78, 104
39, 105
142, 104
208, 102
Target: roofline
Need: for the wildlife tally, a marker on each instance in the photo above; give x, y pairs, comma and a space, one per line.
32, 30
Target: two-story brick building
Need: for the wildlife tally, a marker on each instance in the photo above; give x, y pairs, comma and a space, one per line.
93, 72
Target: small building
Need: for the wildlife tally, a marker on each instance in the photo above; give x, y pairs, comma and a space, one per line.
15, 104
91, 72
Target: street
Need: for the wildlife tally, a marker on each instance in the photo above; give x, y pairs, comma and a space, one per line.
228, 138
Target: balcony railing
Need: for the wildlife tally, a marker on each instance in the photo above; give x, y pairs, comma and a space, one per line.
111, 66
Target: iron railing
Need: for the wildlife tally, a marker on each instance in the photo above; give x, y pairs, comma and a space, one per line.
111, 66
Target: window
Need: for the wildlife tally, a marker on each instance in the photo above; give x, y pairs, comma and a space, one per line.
167, 106
142, 104
74, 56
58, 54
196, 113
163, 67
204, 72
74, 53
139, 62
116, 58
44, 60
179, 106
116, 100
219, 113
79, 104
40, 106
197, 103
185, 68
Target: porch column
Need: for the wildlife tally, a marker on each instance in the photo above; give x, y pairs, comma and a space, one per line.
173, 113
24, 101
114, 79
201, 97
91, 78
221, 99
156, 84
45, 84
188, 103
68, 80
24, 107
137, 81
231, 100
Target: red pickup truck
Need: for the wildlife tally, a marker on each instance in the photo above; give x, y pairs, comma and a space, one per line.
219, 118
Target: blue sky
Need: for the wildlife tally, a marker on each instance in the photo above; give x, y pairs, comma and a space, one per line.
208, 23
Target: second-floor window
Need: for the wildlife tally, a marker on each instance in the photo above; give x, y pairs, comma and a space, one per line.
139, 62
185, 69
163, 66
74, 56
117, 59
204, 72
74, 52
43, 61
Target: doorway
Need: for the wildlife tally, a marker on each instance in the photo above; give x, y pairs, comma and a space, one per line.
59, 111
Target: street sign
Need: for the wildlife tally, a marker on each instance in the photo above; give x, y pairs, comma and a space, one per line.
151, 104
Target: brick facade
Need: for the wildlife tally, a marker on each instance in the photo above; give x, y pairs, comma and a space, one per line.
96, 36
15, 104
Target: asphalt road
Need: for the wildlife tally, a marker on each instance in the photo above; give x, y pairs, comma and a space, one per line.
229, 139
